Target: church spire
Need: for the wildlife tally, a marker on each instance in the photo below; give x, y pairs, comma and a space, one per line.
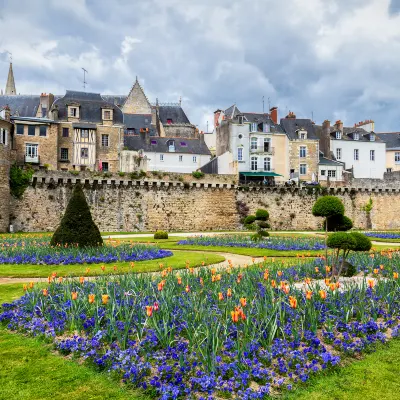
10, 86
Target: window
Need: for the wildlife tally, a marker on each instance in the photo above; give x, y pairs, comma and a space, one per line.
31, 130
20, 129
183, 144
171, 145
267, 145
65, 132
84, 133
303, 151
131, 131
64, 154
161, 157
153, 142
253, 127
372, 137
169, 121
104, 166
195, 159
389, 170
322, 172
253, 143
303, 169
254, 163
338, 154
31, 152
266, 128
180, 158
331, 173
338, 135
240, 119
84, 152
356, 136
397, 157
356, 155
3, 137
107, 114
267, 164
43, 130
240, 136
105, 140
302, 135
372, 155
240, 153
73, 111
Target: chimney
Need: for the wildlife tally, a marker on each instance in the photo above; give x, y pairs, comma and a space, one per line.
216, 118
274, 114
54, 113
7, 113
325, 139
339, 125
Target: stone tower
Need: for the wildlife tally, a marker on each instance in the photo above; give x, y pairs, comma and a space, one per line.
10, 86
5, 160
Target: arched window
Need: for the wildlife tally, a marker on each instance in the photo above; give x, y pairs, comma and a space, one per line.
254, 164
267, 164
253, 143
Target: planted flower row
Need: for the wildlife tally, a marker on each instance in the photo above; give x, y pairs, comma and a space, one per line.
276, 243
238, 332
384, 235
33, 251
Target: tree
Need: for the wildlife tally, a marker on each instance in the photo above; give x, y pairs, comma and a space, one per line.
77, 226
259, 223
339, 223
327, 207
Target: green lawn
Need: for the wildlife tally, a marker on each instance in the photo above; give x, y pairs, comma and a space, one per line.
177, 261
384, 240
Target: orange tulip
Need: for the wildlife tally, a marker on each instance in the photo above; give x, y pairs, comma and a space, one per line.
243, 301
266, 275
105, 298
218, 277
309, 294
273, 283
91, 298
103, 268
213, 278
31, 285
81, 279
337, 285
279, 273
229, 292
87, 270
372, 255
179, 280
371, 283
220, 296
149, 311
395, 275
381, 267
203, 263
50, 279
187, 289
25, 287
253, 259
316, 270
332, 286
293, 301
45, 292
74, 295
307, 281
322, 294
115, 267
327, 281
201, 282
376, 270
235, 316
132, 265
327, 268
60, 279
213, 271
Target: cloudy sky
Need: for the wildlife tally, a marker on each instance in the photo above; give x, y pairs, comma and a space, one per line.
335, 59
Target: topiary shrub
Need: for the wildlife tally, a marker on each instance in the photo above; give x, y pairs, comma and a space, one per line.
263, 224
339, 223
249, 219
341, 242
161, 235
77, 226
259, 223
363, 242
262, 215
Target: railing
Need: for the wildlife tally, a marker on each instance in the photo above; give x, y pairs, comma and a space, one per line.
32, 159
260, 149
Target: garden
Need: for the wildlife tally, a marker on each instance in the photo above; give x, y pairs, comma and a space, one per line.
273, 326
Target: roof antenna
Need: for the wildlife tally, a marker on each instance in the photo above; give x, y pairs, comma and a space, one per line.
312, 116
180, 101
84, 78
263, 104
10, 55
269, 104
207, 126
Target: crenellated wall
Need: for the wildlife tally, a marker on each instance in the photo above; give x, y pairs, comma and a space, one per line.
120, 204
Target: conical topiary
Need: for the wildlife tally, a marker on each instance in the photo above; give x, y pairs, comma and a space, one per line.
77, 226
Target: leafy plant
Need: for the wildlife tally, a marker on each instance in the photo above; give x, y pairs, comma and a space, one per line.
197, 174
19, 180
339, 223
161, 235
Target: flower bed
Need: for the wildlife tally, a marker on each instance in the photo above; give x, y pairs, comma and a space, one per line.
275, 243
243, 333
383, 235
34, 251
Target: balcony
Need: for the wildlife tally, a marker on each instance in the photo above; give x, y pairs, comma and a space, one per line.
263, 150
32, 159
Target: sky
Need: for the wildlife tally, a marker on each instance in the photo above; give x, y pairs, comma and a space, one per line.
336, 59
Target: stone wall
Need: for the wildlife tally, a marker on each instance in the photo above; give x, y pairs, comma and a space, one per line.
5, 157
311, 159
123, 205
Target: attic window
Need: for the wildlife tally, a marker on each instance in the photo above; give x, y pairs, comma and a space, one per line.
131, 131
154, 142
240, 119
183, 144
169, 121
107, 115
372, 137
356, 136
302, 134
338, 135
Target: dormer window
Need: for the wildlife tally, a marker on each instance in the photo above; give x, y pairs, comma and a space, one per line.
338, 135
302, 134
171, 146
240, 119
73, 112
169, 121
372, 137
107, 114
356, 136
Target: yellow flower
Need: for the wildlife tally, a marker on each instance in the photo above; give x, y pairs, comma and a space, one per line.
91, 298
105, 298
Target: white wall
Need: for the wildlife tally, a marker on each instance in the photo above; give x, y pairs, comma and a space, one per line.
363, 168
171, 162
226, 164
211, 140
326, 168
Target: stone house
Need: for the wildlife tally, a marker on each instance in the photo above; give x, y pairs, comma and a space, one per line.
392, 141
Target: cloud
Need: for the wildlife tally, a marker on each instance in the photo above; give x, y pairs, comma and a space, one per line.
337, 59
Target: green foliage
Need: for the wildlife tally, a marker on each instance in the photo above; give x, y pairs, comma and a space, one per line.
328, 206
19, 180
363, 243
197, 174
262, 215
263, 224
120, 173
74, 172
249, 219
77, 226
368, 207
161, 235
339, 223
349, 270
341, 241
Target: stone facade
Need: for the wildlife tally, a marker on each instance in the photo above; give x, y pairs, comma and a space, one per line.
310, 160
5, 160
119, 204
137, 102
180, 131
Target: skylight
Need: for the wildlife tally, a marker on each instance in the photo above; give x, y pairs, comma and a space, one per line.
154, 142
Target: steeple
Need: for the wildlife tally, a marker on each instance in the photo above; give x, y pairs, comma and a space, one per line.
10, 86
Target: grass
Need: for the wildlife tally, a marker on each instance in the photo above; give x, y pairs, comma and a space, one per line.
177, 261
384, 240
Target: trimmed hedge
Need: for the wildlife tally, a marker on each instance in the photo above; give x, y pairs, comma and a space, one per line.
161, 235
328, 206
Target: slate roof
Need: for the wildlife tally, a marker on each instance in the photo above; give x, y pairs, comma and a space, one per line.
263, 118
192, 146
175, 113
138, 121
291, 125
326, 161
348, 134
232, 112
23, 105
34, 119
392, 140
117, 100
90, 107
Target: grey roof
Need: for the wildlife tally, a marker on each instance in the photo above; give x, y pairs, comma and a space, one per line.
35, 119
117, 100
159, 145
232, 112
139, 121
291, 125
392, 140
83, 125
22, 105
348, 134
259, 118
90, 107
175, 113
325, 161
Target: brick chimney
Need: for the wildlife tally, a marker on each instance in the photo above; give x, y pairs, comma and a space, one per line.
339, 125
325, 139
216, 118
7, 113
274, 114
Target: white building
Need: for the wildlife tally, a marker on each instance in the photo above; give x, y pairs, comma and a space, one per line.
330, 170
167, 154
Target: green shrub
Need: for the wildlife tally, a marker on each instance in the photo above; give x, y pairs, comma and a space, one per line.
339, 223
19, 180
120, 173
74, 172
328, 206
341, 241
77, 226
363, 243
197, 174
263, 224
161, 235
262, 215
249, 219
263, 233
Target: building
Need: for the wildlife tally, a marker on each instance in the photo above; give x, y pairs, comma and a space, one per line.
10, 85
183, 155
330, 170
90, 132
362, 152
392, 141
